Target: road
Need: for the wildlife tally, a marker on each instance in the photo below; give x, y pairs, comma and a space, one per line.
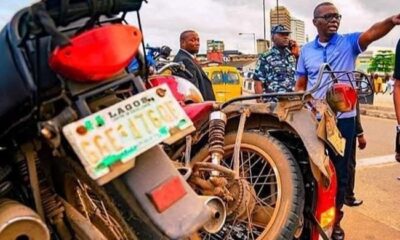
379, 217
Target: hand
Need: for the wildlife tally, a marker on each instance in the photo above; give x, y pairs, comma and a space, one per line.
294, 48
396, 19
362, 142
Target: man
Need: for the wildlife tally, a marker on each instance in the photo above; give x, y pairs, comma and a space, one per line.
396, 99
350, 199
276, 68
340, 52
190, 44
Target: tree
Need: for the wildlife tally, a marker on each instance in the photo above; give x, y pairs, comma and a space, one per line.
383, 62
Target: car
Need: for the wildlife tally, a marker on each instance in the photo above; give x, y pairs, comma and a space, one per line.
226, 81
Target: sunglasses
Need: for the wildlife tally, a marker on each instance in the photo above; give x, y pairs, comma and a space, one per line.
330, 16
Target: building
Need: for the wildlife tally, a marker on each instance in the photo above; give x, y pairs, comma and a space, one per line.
262, 45
215, 46
280, 15
298, 31
215, 50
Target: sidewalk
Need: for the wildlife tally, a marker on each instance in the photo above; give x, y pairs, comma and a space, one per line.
382, 107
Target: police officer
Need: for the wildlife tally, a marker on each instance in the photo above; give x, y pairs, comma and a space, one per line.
276, 68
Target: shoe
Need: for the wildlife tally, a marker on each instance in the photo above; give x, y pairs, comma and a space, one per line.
338, 233
353, 202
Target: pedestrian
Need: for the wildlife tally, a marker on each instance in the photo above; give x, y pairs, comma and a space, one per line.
189, 47
276, 68
377, 83
396, 99
389, 85
350, 199
340, 52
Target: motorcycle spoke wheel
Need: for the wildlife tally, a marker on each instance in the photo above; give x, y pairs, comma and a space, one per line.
261, 203
86, 201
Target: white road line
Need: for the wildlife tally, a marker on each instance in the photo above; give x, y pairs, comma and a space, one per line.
376, 160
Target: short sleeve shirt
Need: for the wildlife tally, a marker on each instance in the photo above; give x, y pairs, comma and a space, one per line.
396, 74
340, 53
276, 69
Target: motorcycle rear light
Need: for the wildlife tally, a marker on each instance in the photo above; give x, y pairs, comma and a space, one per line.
167, 193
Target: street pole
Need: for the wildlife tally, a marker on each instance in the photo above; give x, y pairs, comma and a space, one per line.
255, 43
277, 11
265, 32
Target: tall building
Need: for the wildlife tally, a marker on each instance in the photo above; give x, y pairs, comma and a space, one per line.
280, 15
298, 32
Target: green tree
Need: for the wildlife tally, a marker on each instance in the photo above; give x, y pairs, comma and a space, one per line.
383, 61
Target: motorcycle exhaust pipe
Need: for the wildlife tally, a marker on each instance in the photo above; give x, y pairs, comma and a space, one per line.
18, 221
217, 213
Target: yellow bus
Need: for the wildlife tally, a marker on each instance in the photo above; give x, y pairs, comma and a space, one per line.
226, 82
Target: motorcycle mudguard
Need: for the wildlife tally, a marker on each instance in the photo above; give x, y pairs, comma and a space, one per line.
154, 173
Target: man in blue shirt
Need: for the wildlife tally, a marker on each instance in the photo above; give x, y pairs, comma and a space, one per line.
340, 52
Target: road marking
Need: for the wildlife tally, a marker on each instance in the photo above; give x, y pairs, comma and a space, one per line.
376, 160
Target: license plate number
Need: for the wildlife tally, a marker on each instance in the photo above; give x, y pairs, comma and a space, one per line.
121, 132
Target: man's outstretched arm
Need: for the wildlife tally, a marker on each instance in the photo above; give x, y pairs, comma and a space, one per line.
378, 30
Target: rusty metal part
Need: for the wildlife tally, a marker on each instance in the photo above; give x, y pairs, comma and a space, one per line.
217, 214
46, 200
243, 201
236, 161
216, 137
31, 157
17, 221
211, 166
82, 226
51, 129
188, 150
84, 199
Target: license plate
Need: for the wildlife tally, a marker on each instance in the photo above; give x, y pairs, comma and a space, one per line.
117, 134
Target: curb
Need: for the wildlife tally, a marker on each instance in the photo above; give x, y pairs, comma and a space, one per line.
378, 111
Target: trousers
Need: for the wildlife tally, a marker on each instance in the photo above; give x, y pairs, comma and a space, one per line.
346, 127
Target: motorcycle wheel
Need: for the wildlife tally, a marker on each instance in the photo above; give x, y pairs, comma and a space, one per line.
268, 199
92, 201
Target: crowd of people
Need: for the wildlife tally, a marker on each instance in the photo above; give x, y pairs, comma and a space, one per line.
283, 69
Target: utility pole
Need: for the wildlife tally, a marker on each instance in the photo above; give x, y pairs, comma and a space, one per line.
265, 35
277, 11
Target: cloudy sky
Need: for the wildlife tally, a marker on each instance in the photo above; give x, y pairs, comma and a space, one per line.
163, 20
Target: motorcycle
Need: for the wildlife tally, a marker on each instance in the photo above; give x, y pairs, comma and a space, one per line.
267, 161
79, 135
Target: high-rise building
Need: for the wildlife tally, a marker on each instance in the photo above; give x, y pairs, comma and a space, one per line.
280, 15
298, 32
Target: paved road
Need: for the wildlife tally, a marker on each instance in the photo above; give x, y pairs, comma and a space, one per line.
379, 217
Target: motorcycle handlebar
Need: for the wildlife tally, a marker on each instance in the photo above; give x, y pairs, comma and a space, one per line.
64, 12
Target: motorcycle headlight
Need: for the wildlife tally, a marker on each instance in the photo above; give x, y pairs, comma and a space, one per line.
341, 97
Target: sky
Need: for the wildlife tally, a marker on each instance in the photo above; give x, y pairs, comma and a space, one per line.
164, 20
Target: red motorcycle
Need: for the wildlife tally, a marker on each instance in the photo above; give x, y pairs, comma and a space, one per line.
267, 161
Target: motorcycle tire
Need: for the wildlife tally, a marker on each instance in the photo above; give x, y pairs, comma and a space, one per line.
285, 186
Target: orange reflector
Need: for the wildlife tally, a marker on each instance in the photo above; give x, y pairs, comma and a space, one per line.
168, 193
